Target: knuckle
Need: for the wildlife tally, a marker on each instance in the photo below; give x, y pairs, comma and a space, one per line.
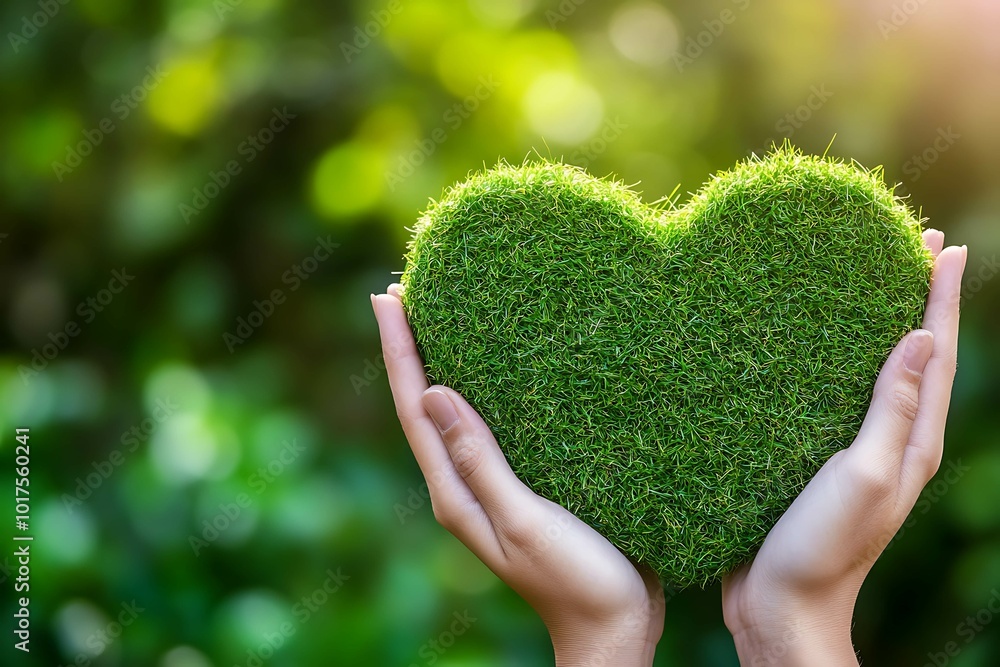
406, 417
537, 538
443, 516
953, 300
518, 536
949, 360
400, 348
929, 461
527, 544
402, 415
467, 456
904, 402
930, 466
873, 480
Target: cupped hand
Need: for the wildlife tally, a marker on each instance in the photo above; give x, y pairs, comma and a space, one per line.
794, 602
598, 606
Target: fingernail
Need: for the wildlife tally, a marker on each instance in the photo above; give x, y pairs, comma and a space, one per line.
918, 350
441, 409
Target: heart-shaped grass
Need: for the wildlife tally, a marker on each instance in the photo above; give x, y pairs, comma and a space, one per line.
672, 376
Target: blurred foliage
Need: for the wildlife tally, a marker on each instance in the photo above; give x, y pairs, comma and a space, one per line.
216, 152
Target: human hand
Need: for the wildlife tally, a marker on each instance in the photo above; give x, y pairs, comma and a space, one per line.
792, 605
598, 606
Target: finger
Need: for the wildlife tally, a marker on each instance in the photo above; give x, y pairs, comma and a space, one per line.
886, 430
394, 290
403, 364
476, 456
934, 240
408, 382
926, 445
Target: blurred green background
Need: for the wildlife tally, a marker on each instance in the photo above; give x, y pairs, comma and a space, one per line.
216, 464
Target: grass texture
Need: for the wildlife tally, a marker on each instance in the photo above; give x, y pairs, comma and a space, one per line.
671, 375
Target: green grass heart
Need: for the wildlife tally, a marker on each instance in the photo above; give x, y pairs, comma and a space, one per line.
672, 376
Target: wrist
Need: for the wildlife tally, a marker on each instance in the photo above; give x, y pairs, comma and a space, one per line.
795, 645
624, 643
787, 628
790, 635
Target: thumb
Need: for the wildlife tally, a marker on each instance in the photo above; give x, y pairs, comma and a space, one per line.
474, 451
886, 429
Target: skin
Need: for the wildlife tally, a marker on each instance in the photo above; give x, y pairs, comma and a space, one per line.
795, 600
792, 605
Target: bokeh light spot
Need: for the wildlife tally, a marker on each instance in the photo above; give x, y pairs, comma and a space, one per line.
416, 33
75, 529
29, 396
77, 624
187, 98
180, 384
389, 125
187, 447
348, 180
146, 214
466, 59
81, 390
562, 108
247, 616
644, 32
184, 656
525, 54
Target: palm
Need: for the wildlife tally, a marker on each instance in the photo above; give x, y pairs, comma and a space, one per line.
570, 551
567, 571
805, 547
829, 538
